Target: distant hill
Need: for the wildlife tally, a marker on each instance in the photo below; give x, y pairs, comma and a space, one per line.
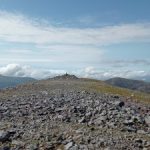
6, 81
130, 84
145, 78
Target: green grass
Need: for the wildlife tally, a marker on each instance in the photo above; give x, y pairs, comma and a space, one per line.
102, 87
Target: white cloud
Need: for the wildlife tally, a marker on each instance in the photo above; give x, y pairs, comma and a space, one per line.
27, 71
18, 28
45, 43
89, 69
88, 72
55, 55
91, 72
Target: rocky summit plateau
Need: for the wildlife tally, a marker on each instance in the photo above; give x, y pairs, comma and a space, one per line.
69, 113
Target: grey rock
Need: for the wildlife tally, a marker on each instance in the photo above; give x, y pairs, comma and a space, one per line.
128, 122
147, 144
75, 147
17, 143
6, 148
82, 120
138, 141
145, 148
119, 103
32, 147
141, 132
68, 146
129, 129
100, 120
147, 120
4, 136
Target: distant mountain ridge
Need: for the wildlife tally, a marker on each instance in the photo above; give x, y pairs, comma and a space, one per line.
130, 84
7, 81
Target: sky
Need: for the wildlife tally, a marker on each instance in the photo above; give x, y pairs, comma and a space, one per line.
98, 39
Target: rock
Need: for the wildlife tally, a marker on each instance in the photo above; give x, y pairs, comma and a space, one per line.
145, 148
83, 147
18, 143
147, 144
129, 129
100, 120
32, 147
138, 141
107, 148
119, 103
147, 120
79, 131
49, 146
68, 146
6, 148
82, 120
59, 109
138, 119
44, 92
141, 132
60, 138
75, 147
4, 136
115, 96
3, 109
88, 115
128, 122
112, 124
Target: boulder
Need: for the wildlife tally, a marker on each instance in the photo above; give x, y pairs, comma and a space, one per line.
4, 136
147, 120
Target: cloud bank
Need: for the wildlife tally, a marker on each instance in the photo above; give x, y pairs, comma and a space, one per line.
18, 70
91, 72
88, 72
18, 28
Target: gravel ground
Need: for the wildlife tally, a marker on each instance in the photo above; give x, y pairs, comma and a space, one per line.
62, 117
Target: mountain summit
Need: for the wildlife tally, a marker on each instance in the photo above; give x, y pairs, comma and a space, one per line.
65, 77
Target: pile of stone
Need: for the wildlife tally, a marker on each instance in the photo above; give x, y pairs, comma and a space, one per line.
73, 120
65, 77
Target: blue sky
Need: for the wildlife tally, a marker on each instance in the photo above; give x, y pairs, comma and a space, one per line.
98, 38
